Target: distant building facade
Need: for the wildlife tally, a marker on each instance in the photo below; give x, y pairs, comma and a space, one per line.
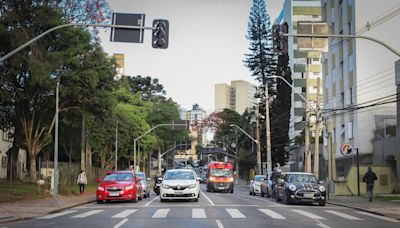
238, 96
6, 142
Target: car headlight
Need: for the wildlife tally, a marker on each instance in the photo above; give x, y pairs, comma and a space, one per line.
127, 188
212, 179
100, 188
322, 188
230, 179
165, 186
292, 187
192, 186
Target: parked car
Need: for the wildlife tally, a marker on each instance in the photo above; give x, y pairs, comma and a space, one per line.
266, 186
296, 187
119, 186
203, 178
254, 187
145, 184
180, 184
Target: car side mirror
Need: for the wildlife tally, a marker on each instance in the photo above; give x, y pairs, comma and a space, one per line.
99, 180
160, 179
138, 179
148, 179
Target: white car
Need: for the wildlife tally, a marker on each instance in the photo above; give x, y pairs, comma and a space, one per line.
180, 184
255, 187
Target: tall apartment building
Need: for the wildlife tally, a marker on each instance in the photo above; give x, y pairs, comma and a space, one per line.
357, 72
302, 62
121, 64
238, 96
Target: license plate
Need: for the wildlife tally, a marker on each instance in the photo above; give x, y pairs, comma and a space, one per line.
114, 193
158, 184
178, 192
221, 187
309, 195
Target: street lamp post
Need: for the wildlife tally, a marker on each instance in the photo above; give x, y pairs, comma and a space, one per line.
55, 172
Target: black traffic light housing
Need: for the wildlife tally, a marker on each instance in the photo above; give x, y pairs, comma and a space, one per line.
280, 42
160, 34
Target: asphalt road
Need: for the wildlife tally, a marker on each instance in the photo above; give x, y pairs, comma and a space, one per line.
213, 210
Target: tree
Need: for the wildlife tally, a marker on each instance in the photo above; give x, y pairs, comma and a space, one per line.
148, 87
280, 113
261, 60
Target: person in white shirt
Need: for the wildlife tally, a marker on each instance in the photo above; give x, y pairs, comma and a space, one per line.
82, 181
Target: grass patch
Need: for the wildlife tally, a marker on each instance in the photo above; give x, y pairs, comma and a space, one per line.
74, 189
387, 198
16, 191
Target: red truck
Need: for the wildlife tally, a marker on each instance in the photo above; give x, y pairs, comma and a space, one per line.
219, 177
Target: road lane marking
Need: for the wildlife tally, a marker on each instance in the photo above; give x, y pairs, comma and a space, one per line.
198, 213
50, 216
272, 214
343, 215
219, 224
87, 214
378, 216
148, 203
209, 200
235, 213
125, 213
322, 225
120, 223
161, 213
308, 214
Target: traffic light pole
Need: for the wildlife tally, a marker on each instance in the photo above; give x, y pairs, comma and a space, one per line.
70, 25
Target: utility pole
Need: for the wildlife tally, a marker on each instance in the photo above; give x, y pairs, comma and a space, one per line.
236, 159
307, 130
268, 135
116, 147
258, 139
56, 171
316, 152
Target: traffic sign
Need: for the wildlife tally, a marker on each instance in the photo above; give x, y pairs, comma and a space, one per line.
346, 149
127, 35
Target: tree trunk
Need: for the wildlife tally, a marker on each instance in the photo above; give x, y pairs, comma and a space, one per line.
33, 169
83, 144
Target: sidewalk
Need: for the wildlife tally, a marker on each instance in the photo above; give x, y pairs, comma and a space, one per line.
25, 209
385, 208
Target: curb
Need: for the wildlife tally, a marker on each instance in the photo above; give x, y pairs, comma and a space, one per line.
8, 219
361, 209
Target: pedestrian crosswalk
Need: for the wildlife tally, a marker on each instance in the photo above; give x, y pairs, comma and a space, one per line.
224, 213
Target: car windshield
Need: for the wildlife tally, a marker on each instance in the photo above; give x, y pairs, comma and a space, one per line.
178, 175
141, 175
118, 177
258, 178
220, 172
305, 178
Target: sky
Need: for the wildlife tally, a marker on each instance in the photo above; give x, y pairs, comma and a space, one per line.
207, 44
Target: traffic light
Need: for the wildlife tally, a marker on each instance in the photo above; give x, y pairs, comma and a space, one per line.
280, 42
160, 34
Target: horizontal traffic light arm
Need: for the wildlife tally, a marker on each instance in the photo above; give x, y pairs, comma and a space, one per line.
70, 25
346, 36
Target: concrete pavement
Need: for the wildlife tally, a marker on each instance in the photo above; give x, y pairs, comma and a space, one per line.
26, 209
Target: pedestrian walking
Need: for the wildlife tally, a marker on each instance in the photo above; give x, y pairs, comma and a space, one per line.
369, 179
82, 181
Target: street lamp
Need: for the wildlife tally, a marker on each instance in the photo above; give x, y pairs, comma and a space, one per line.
55, 172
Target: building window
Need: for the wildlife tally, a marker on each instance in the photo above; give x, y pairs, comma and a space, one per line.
342, 97
334, 136
303, 89
351, 95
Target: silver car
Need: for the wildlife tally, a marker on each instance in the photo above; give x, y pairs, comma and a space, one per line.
145, 184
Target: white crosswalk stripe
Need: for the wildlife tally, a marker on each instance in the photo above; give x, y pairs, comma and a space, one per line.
308, 214
235, 213
343, 215
87, 214
125, 213
55, 215
161, 213
272, 214
378, 216
198, 213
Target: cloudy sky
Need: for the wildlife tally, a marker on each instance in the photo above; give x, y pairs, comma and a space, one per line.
206, 45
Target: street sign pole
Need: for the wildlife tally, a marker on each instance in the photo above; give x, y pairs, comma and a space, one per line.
358, 173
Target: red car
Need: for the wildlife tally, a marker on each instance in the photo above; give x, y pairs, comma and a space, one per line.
119, 186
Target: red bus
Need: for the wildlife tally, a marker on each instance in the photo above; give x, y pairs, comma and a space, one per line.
219, 177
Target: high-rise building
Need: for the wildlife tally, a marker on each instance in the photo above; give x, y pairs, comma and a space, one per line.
303, 63
359, 73
121, 64
238, 96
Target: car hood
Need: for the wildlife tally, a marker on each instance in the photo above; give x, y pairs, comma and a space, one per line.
308, 186
115, 183
179, 182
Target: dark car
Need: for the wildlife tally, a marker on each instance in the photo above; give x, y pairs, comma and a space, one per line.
300, 187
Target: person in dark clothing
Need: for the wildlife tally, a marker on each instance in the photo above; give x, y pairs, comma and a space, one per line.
369, 179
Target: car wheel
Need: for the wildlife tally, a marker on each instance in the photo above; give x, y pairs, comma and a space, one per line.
145, 195
322, 202
198, 196
196, 200
262, 194
288, 201
250, 193
162, 200
232, 190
